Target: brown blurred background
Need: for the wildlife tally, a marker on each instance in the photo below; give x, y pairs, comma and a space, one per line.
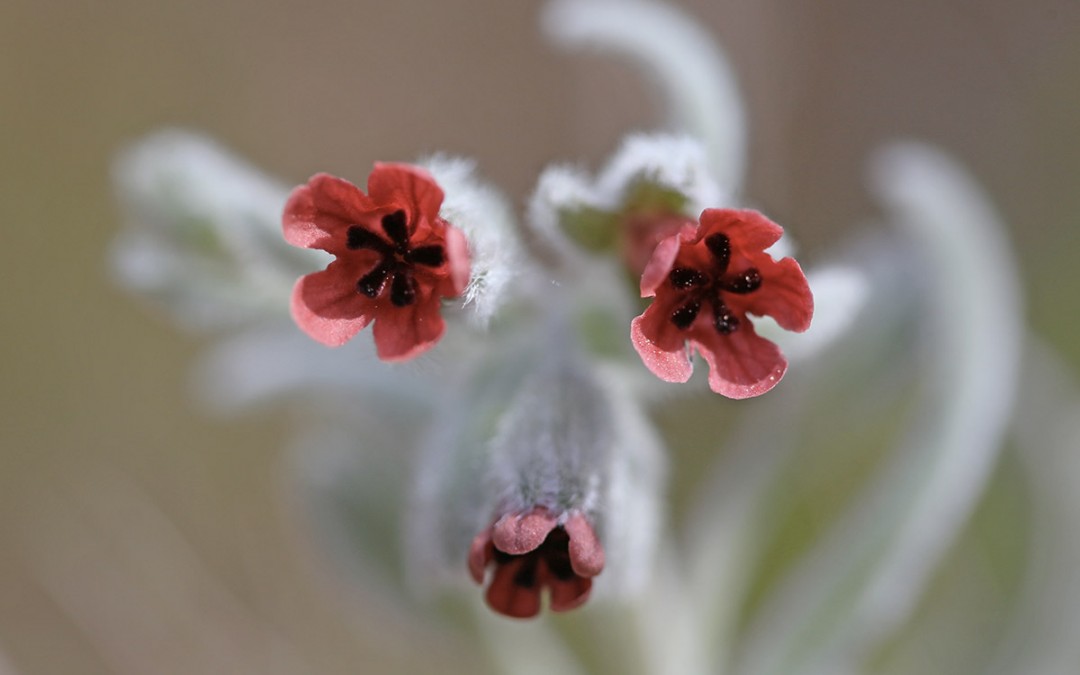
133, 525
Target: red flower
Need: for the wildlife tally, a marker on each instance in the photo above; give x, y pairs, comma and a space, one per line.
532, 551
396, 259
705, 280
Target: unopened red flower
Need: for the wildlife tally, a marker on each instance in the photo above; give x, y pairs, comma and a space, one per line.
396, 259
532, 551
706, 279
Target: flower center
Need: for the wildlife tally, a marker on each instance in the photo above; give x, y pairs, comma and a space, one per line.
700, 288
554, 553
399, 259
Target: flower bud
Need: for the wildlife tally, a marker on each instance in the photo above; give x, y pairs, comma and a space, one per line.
560, 490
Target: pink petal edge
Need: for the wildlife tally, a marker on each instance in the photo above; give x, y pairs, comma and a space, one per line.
659, 265
505, 596
298, 220
754, 367
480, 554
786, 297
313, 294
586, 553
668, 366
518, 534
457, 256
403, 333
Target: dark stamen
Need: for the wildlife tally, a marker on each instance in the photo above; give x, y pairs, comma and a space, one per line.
726, 322
396, 227
685, 315
560, 567
357, 238
556, 552
720, 247
684, 277
431, 256
371, 284
402, 289
526, 574
747, 282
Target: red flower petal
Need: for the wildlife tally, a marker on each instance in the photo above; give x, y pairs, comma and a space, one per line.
586, 553
749, 231
317, 213
659, 265
569, 594
785, 296
519, 534
670, 363
507, 597
742, 364
298, 222
481, 553
406, 187
402, 333
339, 198
457, 256
328, 308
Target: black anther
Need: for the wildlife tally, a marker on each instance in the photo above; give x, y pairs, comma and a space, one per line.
684, 277
685, 315
402, 289
371, 284
396, 227
726, 322
747, 282
720, 247
357, 238
430, 256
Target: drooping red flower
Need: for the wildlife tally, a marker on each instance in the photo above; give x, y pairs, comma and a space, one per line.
706, 279
396, 259
532, 551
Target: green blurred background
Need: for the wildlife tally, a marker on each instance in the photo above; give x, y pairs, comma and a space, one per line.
133, 525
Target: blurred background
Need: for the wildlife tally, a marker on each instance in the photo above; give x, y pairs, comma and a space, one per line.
140, 534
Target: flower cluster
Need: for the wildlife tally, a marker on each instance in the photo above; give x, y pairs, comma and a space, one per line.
534, 467
540, 469
396, 259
